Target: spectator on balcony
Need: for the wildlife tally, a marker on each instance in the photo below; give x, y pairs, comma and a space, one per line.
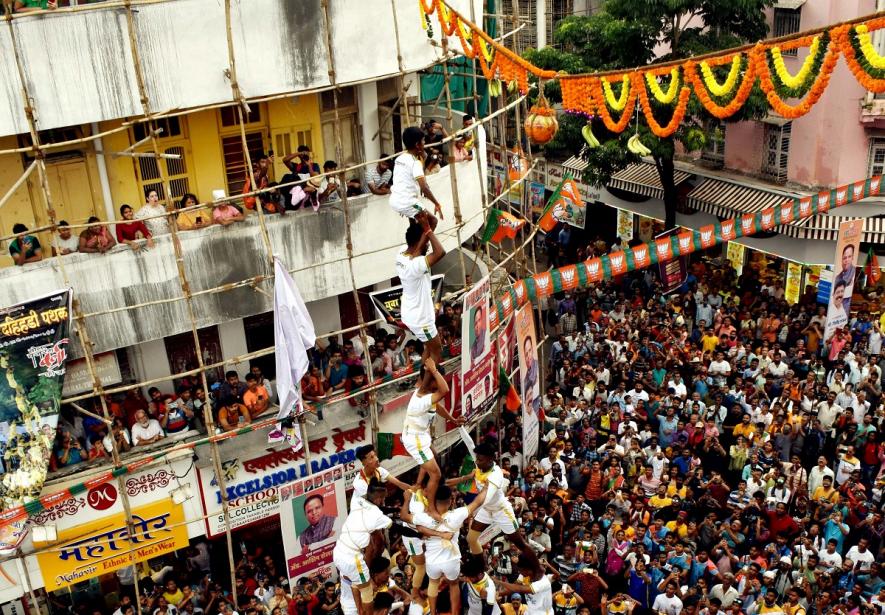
118, 434
157, 403
146, 430
95, 239
303, 167
255, 370
65, 242
460, 152
378, 177
152, 214
434, 135
29, 6
192, 219
68, 450
24, 248
313, 385
432, 164
134, 233
231, 390
336, 371
133, 402
226, 214
256, 398
233, 416
178, 414
356, 380
330, 190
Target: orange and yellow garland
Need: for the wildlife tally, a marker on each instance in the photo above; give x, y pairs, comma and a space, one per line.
614, 96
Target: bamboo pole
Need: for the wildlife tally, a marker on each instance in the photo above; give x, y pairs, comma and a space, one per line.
339, 152
18, 183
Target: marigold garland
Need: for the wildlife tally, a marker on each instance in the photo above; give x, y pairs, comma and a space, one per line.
784, 75
678, 113
721, 111
866, 46
600, 102
814, 93
593, 93
727, 87
620, 102
665, 98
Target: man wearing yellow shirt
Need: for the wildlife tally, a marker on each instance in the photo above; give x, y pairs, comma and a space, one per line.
515, 606
826, 495
792, 606
767, 605
745, 428
679, 525
709, 341
660, 499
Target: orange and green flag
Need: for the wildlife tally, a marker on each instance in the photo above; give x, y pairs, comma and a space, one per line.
872, 269
507, 391
500, 225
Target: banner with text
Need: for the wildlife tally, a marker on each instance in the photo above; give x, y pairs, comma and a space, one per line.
253, 485
845, 267
529, 378
476, 357
33, 353
312, 512
387, 301
102, 546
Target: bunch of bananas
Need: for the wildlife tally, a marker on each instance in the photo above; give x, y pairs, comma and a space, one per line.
589, 137
495, 87
636, 146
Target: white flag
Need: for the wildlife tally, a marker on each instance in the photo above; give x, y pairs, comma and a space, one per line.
294, 335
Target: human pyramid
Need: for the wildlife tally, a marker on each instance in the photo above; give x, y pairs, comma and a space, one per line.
429, 524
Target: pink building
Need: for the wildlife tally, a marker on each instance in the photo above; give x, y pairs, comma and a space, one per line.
841, 140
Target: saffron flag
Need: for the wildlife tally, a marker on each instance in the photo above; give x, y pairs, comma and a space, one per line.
499, 225
872, 269
565, 205
507, 391
294, 334
390, 445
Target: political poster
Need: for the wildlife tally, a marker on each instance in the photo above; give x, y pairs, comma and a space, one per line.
505, 342
536, 198
845, 268
529, 378
477, 360
33, 354
387, 301
312, 512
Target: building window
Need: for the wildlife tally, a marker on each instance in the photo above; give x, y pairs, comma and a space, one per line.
172, 127
230, 117
786, 21
235, 162
150, 178
877, 157
286, 143
777, 151
714, 147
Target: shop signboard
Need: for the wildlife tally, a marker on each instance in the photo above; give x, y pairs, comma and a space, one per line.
79, 380
101, 546
312, 511
253, 485
792, 288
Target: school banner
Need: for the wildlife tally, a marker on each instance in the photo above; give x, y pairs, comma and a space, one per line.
845, 268
387, 301
33, 353
312, 511
529, 379
477, 360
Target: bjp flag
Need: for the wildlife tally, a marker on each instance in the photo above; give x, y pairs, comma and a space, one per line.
618, 262
708, 236
685, 243
748, 224
569, 277
728, 230
641, 257
767, 219
543, 284
786, 213
594, 270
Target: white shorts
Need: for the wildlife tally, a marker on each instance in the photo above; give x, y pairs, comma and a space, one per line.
450, 569
504, 518
415, 546
417, 443
424, 333
409, 211
351, 565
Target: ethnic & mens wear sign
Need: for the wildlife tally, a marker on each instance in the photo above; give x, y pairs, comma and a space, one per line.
253, 484
102, 546
33, 353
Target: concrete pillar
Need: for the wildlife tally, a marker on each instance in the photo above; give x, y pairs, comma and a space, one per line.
232, 336
367, 97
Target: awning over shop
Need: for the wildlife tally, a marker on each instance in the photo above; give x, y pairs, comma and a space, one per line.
575, 165
826, 227
789, 4
728, 199
642, 178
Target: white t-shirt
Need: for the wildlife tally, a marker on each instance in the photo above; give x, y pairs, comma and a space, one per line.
72, 243
865, 559
108, 440
361, 485
540, 601
670, 606
364, 518
405, 191
475, 601
419, 413
830, 560
140, 433
416, 307
437, 550
495, 497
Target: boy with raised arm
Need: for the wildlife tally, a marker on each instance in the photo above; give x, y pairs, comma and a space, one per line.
409, 183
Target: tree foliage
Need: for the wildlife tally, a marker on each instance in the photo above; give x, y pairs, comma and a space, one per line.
626, 34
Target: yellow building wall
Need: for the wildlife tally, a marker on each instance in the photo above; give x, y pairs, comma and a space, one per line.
18, 207
122, 174
293, 114
205, 154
